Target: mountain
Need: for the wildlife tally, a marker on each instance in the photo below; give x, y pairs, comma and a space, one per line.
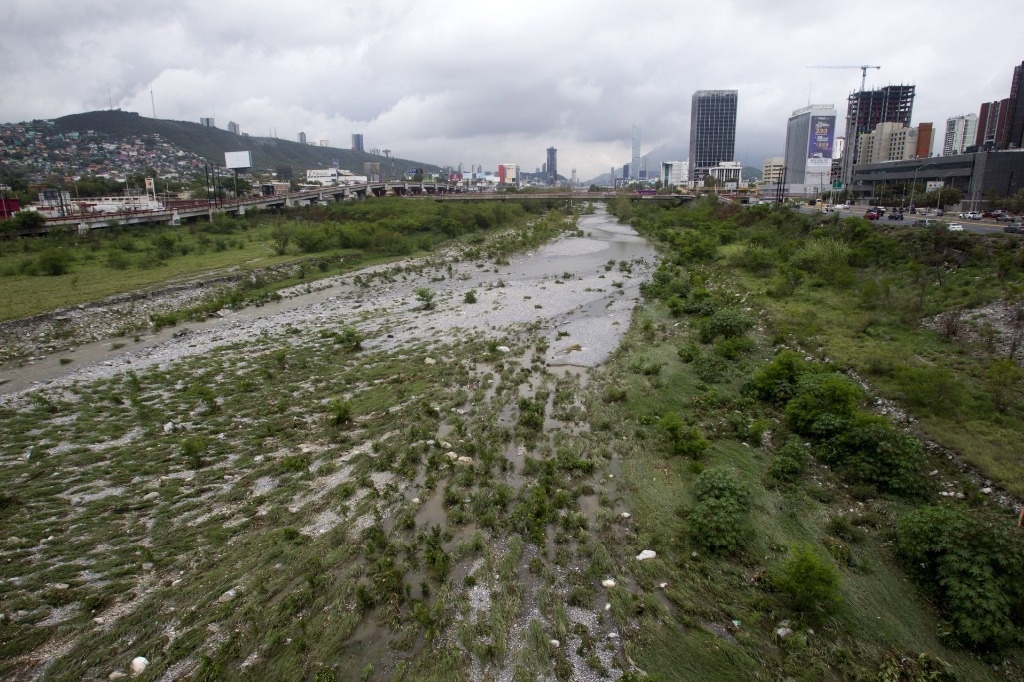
211, 143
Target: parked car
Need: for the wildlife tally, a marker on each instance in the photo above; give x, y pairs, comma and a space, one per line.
1014, 228
872, 215
955, 227
1004, 218
971, 215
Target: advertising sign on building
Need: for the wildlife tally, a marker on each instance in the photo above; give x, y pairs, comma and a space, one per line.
819, 141
933, 185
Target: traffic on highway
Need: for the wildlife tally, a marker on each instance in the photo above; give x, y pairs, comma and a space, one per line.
967, 221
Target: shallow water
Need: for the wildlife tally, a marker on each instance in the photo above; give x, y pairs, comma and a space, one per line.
582, 316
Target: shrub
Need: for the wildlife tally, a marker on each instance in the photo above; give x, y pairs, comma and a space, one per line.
974, 565
823, 405
789, 463
470, 296
54, 262
686, 440
807, 583
776, 382
871, 450
295, 463
726, 323
719, 521
426, 297
340, 411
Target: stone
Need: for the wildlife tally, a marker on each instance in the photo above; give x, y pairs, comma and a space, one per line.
60, 587
451, 455
227, 596
783, 633
555, 643
139, 663
99, 620
608, 582
116, 675
503, 349
147, 566
607, 606
463, 459
986, 491
933, 472
150, 496
613, 635
168, 427
430, 361
445, 445
646, 554
624, 515
415, 500
663, 585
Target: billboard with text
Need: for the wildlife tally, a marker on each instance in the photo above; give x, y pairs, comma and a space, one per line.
820, 138
238, 160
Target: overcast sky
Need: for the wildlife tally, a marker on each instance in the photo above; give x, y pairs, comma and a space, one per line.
490, 82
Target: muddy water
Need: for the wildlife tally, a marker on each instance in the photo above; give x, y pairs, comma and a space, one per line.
583, 310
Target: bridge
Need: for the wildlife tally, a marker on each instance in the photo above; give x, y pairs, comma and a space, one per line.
434, 191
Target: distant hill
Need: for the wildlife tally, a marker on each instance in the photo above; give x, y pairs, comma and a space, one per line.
211, 143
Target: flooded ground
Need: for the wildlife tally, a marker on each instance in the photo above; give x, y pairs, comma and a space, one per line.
580, 290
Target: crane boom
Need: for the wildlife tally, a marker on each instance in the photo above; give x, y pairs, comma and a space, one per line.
863, 71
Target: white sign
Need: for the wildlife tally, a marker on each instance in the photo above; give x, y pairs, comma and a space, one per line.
238, 160
933, 185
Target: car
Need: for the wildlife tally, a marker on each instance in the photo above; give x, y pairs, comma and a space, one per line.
843, 207
872, 215
988, 214
925, 222
1005, 218
955, 227
971, 215
1014, 228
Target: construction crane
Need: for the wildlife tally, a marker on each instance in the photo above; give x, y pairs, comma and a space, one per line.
863, 71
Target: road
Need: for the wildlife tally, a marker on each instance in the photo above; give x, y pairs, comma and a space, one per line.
984, 226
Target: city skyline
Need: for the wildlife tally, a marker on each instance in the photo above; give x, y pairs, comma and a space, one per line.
417, 80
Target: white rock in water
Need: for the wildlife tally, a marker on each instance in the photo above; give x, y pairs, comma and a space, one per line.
646, 554
555, 643
503, 349
608, 583
139, 664
228, 596
168, 427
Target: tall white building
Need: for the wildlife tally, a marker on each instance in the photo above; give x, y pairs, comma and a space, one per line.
810, 136
960, 132
634, 163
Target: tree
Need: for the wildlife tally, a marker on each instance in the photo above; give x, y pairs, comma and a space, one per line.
426, 297
807, 583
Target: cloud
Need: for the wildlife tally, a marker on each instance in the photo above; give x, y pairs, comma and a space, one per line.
484, 83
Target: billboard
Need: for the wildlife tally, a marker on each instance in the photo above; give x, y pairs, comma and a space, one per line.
819, 139
238, 160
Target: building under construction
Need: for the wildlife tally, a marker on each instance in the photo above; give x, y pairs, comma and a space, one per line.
866, 109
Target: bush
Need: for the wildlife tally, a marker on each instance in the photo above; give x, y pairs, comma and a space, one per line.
807, 583
686, 440
719, 521
54, 262
975, 567
340, 411
789, 463
470, 296
776, 382
823, 405
426, 297
726, 323
871, 450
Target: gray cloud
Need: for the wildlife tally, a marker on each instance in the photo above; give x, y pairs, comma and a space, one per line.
487, 83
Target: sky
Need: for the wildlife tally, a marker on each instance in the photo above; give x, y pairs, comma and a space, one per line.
494, 82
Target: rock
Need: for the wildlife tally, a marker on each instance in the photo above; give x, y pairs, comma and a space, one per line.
624, 515
607, 606
227, 596
445, 445
693, 555
646, 554
933, 472
150, 496
463, 459
608, 582
147, 566
60, 587
663, 585
415, 500
451, 455
783, 633
430, 361
986, 491
613, 635
555, 643
168, 427
139, 663
99, 620
503, 349
116, 675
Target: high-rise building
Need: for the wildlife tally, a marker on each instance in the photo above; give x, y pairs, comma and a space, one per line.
809, 143
1017, 108
302, 138
960, 134
234, 128
207, 122
634, 161
357, 142
866, 109
673, 173
993, 125
895, 142
712, 131
551, 167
